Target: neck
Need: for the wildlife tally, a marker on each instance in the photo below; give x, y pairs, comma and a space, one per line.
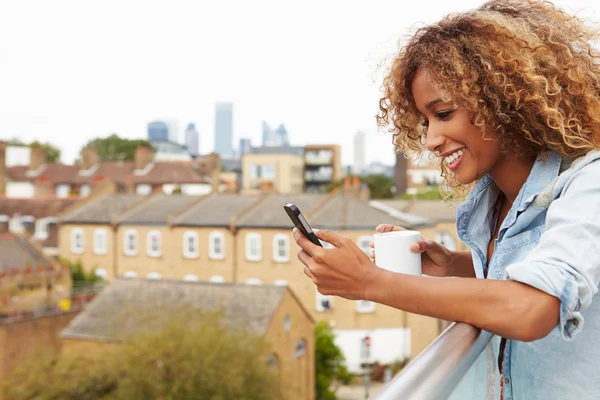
510, 175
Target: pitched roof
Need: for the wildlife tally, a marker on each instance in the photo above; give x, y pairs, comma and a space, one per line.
122, 306
434, 210
101, 209
216, 210
37, 207
349, 212
18, 252
157, 209
269, 213
55, 172
172, 172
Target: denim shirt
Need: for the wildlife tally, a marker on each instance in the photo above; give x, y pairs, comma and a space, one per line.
550, 240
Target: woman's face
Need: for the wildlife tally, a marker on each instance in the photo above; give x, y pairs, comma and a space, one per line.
451, 134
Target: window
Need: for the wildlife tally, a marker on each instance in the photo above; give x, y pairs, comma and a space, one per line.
418, 178
190, 278
63, 190
85, 190
281, 248
363, 243
365, 306
77, 243
15, 224
130, 275
153, 244
42, 228
154, 276
300, 349
273, 362
253, 247
100, 272
216, 279
190, 245
216, 246
100, 241
287, 323
130, 244
446, 239
143, 189
281, 283
253, 282
324, 303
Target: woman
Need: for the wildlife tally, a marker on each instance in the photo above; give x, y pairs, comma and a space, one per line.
508, 96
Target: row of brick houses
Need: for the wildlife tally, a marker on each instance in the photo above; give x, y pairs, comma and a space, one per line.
246, 239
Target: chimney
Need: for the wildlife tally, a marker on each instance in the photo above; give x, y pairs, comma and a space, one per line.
38, 158
2, 168
143, 157
400, 174
89, 158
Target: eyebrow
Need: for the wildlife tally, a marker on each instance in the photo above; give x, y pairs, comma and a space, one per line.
430, 105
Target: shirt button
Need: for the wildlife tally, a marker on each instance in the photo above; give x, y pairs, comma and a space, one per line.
506, 381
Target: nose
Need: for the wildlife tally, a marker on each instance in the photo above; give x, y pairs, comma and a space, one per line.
435, 140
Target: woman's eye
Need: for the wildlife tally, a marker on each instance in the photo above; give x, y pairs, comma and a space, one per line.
443, 115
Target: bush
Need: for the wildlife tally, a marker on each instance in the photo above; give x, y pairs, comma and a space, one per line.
206, 360
329, 361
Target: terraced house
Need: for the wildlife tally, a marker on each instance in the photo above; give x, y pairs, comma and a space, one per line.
248, 239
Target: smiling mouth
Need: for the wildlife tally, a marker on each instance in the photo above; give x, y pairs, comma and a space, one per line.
454, 159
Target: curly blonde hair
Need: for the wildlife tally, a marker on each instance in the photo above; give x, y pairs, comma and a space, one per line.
524, 68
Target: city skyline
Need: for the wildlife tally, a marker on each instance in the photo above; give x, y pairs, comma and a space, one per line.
80, 80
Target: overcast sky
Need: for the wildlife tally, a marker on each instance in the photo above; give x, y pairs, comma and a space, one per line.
74, 70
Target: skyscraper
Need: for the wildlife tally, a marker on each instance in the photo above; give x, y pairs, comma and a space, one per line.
358, 168
282, 136
224, 129
158, 131
266, 134
192, 139
274, 138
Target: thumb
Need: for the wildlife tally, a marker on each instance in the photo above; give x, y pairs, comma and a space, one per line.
328, 236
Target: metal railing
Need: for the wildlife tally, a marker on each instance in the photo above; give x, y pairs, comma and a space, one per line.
434, 373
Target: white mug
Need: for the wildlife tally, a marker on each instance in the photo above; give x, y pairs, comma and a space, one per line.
392, 252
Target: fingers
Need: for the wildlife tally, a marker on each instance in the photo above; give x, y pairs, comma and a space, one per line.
308, 273
304, 243
388, 228
329, 237
304, 257
420, 246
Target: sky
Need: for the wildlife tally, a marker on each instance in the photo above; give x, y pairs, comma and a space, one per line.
75, 70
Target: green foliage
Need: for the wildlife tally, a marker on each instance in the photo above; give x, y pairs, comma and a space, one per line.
329, 362
380, 186
203, 360
79, 274
431, 193
177, 190
115, 148
52, 153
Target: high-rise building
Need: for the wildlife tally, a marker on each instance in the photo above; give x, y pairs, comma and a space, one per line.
158, 131
224, 129
281, 136
192, 139
245, 146
358, 168
267, 134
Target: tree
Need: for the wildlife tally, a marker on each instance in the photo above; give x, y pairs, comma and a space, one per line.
329, 362
380, 186
115, 148
79, 274
52, 153
204, 360
431, 193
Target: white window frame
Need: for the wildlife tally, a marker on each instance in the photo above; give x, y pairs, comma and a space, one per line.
212, 253
191, 278
101, 272
154, 276
126, 235
439, 237
130, 275
365, 306
187, 235
15, 224
143, 189
253, 282
216, 279
363, 243
299, 348
287, 322
42, 228
150, 251
85, 190
286, 248
253, 242
62, 190
319, 302
100, 232
74, 248
281, 283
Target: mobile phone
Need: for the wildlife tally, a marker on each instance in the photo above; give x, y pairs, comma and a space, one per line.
300, 222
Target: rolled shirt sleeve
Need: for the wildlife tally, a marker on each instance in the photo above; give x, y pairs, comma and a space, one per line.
566, 261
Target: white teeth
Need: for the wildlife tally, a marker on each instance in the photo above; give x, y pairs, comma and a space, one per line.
454, 156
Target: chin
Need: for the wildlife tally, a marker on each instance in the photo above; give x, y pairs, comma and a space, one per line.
465, 179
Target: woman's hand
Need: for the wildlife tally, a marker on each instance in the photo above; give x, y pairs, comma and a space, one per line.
435, 258
343, 270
